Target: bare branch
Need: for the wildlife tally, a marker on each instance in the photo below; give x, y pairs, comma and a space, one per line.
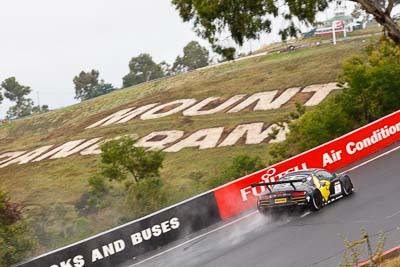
389, 7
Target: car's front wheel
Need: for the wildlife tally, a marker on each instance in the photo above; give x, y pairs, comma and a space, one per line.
316, 200
347, 186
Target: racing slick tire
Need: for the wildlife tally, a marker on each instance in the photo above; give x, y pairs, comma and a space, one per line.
347, 186
316, 200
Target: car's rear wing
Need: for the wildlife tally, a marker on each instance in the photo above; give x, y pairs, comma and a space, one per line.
291, 182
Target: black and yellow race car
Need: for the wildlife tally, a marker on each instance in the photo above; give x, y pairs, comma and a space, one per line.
311, 188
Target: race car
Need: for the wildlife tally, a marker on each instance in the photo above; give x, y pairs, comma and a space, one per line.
310, 188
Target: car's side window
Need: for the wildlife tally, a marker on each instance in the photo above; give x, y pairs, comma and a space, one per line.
324, 175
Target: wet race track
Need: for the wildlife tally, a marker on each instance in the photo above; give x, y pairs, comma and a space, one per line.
308, 239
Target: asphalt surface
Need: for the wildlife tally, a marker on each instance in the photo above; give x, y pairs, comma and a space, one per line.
309, 239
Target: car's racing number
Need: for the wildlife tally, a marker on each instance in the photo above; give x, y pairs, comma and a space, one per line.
338, 188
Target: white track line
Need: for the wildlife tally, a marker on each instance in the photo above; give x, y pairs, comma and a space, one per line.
251, 214
197, 237
377, 157
305, 214
394, 214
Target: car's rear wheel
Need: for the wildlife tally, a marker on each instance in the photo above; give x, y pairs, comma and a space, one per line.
347, 186
316, 200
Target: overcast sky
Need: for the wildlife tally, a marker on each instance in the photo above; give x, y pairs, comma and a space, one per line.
45, 43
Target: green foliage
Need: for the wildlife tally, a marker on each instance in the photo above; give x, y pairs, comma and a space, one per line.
246, 20
40, 109
241, 165
353, 251
87, 85
355, 248
373, 85
300, 110
25, 108
142, 69
371, 92
98, 185
248, 76
194, 56
22, 109
14, 91
95, 198
14, 242
17, 93
121, 159
146, 196
60, 225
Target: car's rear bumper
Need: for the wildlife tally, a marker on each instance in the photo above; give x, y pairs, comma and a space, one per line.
270, 203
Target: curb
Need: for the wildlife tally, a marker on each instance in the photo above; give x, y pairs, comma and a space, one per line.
385, 255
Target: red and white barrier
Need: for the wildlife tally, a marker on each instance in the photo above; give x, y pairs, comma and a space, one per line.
237, 196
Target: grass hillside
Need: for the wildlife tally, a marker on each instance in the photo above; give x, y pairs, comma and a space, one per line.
50, 189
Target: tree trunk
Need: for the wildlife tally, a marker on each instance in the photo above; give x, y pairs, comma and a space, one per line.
383, 18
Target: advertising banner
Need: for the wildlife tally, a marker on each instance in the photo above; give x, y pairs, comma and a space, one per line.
136, 238
238, 196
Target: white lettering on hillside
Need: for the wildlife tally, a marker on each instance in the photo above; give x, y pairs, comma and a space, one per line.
321, 91
25, 158
169, 141
167, 137
253, 132
92, 150
205, 138
196, 110
266, 101
113, 117
134, 113
67, 149
9, 156
156, 114
95, 149
261, 101
281, 136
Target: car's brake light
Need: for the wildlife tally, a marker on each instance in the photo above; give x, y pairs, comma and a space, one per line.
298, 193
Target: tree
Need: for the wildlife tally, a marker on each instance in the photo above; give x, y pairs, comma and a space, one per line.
23, 108
14, 91
142, 69
194, 56
371, 90
122, 160
140, 169
245, 20
87, 85
241, 165
372, 84
17, 93
40, 109
14, 242
166, 68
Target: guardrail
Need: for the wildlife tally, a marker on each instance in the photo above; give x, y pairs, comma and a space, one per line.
170, 224
237, 196
136, 238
